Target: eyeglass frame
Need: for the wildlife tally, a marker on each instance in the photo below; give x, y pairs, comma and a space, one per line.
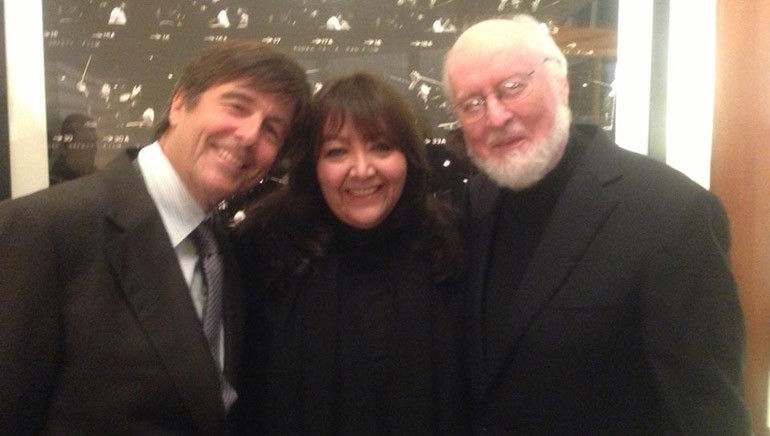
498, 92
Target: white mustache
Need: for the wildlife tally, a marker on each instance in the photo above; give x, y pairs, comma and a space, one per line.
504, 135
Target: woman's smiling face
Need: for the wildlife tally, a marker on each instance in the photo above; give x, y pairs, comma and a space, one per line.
361, 180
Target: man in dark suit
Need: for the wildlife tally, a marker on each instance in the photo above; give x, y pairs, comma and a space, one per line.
600, 296
101, 300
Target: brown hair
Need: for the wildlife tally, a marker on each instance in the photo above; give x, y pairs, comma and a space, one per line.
265, 68
293, 229
376, 110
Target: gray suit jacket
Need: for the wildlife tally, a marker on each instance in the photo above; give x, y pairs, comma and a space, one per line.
98, 333
627, 319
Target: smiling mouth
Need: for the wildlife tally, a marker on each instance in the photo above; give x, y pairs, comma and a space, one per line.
364, 192
510, 140
512, 143
229, 157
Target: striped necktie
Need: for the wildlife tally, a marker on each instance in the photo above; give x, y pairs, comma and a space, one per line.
213, 273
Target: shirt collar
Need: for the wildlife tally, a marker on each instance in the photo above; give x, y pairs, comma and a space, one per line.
178, 210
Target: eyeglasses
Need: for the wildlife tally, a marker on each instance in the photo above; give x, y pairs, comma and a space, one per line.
507, 92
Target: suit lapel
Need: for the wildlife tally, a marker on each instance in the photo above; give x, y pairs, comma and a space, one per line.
234, 306
579, 214
484, 198
146, 267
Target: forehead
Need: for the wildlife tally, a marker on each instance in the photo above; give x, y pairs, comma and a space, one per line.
245, 90
467, 76
500, 48
241, 84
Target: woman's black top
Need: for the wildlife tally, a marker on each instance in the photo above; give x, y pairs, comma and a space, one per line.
365, 345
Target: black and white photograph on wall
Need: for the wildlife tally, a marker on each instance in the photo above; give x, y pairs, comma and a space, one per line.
111, 65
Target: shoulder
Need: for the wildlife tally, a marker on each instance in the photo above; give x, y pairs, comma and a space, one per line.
80, 203
57, 202
649, 193
634, 177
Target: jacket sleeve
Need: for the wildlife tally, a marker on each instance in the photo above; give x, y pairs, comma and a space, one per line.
693, 325
30, 302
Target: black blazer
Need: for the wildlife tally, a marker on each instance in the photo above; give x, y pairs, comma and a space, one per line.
627, 319
98, 333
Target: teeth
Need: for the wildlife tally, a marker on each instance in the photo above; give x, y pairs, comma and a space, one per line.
362, 192
226, 155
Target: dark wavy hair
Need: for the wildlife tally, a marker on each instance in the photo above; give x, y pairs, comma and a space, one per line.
293, 230
265, 68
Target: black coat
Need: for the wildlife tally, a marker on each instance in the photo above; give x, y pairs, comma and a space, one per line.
627, 319
98, 333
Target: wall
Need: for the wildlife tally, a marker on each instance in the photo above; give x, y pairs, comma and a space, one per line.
26, 96
5, 162
741, 174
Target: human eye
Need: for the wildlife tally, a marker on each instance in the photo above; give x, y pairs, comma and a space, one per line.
381, 147
472, 106
238, 103
512, 88
274, 131
333, 149
237, 107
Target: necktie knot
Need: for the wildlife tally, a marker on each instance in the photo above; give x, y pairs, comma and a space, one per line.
204, 239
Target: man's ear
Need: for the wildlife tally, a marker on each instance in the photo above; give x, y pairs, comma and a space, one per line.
178, 104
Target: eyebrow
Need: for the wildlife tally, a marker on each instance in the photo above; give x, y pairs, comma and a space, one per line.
519, 74
248, 97
282, 122
238, 95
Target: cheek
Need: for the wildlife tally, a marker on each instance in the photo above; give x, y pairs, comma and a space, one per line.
327, 178
475, 139
265, 155
540, 123
539, 116
398, 175
402, 173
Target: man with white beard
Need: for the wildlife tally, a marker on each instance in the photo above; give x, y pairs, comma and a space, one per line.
600, 296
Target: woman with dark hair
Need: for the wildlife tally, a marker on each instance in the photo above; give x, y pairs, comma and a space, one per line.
353, 321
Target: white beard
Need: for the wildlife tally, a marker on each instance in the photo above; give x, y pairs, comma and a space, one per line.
521, 169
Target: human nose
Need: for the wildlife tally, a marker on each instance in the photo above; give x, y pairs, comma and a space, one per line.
361, 165
248, 132
497, 114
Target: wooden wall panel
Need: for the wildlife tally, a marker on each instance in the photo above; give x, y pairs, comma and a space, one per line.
741, 174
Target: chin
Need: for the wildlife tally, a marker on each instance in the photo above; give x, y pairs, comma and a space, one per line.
364, 224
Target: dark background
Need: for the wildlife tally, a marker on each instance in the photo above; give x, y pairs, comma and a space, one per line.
115, 75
